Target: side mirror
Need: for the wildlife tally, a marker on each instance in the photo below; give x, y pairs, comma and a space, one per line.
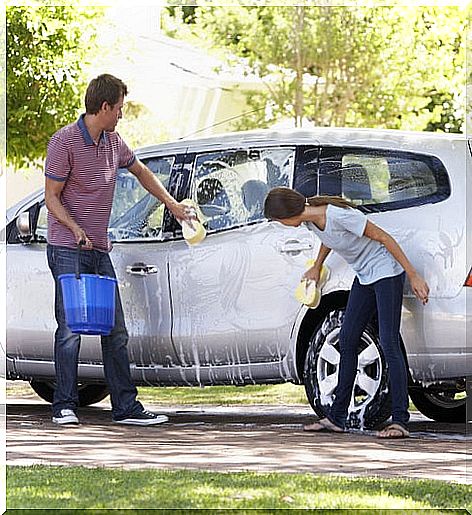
23, 224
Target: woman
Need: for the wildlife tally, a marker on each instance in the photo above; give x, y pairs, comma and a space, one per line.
380, 266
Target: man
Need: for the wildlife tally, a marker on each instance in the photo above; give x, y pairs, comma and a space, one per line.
81, 165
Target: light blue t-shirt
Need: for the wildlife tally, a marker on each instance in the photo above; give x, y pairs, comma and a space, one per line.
344, 233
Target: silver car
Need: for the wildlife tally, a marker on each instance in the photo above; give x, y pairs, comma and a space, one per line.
223, 311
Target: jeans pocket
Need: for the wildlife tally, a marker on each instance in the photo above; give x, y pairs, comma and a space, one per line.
64, 261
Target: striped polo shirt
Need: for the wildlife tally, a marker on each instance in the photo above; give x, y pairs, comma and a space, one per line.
89, 173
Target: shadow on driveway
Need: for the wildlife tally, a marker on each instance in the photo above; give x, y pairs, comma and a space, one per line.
226, 439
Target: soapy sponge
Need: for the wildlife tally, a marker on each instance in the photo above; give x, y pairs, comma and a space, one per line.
309, 292
193, 232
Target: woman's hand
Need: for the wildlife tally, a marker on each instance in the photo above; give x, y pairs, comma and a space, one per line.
313, 273
418, 284
419, 287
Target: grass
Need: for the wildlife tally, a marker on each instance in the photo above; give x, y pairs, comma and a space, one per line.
278, 394
282, 394
44, 487
19, 389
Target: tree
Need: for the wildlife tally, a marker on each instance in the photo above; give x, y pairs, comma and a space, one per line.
392, 67
47, 47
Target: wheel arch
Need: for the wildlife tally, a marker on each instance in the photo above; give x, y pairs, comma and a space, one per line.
330, 301
312, 318
89, 393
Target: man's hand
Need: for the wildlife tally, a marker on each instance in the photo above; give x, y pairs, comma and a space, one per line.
82, 238
182, 212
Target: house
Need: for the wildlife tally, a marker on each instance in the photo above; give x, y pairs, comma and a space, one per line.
176, 88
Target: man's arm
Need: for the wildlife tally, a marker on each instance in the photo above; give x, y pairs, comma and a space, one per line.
53, 192
152, 184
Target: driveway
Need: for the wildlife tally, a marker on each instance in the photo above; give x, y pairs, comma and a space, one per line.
257, 438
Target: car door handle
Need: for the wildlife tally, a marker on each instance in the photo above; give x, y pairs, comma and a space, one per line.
294, 246
141, 269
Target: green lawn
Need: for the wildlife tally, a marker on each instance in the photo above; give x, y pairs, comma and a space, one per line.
277, 394
286, 393
282, 394
42, 487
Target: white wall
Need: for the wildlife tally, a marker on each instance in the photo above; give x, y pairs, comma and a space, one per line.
20, 184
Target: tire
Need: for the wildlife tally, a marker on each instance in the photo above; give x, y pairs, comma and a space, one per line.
371, 403
88, 393
442, 406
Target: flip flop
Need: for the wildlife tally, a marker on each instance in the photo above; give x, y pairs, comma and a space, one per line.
393, 431
323, 425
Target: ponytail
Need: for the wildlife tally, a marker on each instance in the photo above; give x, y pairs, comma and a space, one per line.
324, 200
282, 203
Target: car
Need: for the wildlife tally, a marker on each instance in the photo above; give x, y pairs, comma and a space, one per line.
223, 312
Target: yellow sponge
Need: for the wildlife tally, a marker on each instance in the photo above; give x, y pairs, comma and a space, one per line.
193, 232
309, 292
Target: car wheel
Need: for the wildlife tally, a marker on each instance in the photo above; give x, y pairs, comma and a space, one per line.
370, 403
442, 406
88, 393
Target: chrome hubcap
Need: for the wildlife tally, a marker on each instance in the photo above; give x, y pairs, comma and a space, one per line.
368, 377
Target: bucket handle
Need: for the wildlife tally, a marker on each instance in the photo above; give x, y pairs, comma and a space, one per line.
77, 261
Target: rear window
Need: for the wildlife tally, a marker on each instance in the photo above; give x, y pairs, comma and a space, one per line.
381, 180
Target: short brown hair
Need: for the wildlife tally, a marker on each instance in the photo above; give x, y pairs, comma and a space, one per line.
104, 88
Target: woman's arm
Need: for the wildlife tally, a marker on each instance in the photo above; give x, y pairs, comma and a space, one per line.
313, 273
418, 284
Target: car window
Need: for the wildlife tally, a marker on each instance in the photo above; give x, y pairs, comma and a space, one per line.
381, 180
135, 212
306, 171
230, 186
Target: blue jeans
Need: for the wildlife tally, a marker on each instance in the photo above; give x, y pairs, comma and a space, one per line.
123, 393
384, 297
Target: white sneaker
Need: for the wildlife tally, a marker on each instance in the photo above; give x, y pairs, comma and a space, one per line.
67, 417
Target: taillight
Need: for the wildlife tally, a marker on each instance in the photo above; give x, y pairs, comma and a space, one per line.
468, 281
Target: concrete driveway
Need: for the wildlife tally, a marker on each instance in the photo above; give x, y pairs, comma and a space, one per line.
257, 438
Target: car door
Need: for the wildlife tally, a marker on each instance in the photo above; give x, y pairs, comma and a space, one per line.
30, 295
232, 294
30, 323
140, 256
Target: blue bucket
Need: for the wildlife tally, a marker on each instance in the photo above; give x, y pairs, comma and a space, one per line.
89, 302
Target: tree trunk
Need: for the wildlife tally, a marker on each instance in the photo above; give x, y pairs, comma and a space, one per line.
299, 61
